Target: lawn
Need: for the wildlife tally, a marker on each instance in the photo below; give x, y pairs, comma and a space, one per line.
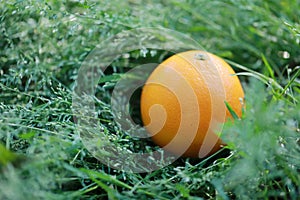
44, 46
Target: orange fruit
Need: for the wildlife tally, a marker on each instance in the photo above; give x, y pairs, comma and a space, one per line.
183, 102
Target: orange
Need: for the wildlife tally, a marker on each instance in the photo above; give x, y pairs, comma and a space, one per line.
183, 102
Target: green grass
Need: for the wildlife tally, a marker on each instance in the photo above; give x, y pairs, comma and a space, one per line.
42, 47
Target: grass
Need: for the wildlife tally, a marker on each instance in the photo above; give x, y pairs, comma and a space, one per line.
43, 44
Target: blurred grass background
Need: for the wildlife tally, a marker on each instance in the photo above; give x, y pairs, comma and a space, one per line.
43, 44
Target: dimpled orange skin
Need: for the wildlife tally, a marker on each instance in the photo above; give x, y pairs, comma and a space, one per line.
185, 65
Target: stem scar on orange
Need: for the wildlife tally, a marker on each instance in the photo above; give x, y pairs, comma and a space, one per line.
182, 102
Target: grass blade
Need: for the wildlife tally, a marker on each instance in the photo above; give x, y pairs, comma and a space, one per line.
233, 114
